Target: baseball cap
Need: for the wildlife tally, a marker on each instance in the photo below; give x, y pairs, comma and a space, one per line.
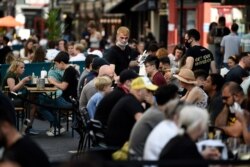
98, 62
127, 74
143, 82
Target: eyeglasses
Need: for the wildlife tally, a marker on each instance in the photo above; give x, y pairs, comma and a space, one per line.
146, 66
225, 97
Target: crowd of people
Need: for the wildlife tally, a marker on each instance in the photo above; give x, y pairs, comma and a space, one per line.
158, 102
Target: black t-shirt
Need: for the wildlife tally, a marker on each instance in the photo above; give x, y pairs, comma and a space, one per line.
26, 153
236, 74
10, 75
202, 57
70, 76
105, 106
122, 120
120, 58
181, 148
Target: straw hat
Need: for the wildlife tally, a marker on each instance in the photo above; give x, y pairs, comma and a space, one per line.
186, 76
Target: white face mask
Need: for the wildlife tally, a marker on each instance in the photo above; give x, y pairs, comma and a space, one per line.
235, 108
121, 45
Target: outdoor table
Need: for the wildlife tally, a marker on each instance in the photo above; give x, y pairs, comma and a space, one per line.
48, 90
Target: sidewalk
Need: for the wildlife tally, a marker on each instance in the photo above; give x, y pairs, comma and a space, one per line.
57, 148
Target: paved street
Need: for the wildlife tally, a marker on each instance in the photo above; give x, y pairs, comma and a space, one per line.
57, 148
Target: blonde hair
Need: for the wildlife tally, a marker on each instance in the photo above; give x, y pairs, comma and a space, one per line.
123, 30
10, 58
191, 117
79, 47
14, 65
102, 82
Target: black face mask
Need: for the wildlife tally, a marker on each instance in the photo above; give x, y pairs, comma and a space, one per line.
3, 141
188, 44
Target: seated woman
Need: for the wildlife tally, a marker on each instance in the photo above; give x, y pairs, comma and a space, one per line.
103, 85
15, 84
231, 63
12, 77
194, 95
193, 122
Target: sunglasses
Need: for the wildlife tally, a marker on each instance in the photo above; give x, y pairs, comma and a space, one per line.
225, 97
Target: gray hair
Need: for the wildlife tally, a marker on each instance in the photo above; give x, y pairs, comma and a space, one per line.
191, 117
173, 107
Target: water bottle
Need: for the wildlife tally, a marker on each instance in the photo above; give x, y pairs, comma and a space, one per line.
33, 78
43, 73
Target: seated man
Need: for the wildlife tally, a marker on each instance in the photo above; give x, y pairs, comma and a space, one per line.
232, 95
106, 105
152, 70
68, 86
127, 111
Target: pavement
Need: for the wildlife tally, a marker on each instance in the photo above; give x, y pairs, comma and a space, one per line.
57, 148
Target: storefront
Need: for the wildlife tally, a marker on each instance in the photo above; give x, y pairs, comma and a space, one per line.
198, 14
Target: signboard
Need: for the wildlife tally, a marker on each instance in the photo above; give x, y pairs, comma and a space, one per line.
36, 2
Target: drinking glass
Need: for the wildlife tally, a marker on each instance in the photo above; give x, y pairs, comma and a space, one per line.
244, 152
233, 145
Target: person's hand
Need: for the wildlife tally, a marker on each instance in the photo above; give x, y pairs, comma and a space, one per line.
168, 75
133, 63
211, 153
51, 80
149, 98
26, 79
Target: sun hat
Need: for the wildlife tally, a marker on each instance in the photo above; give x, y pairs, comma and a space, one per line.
186, 76
143, 82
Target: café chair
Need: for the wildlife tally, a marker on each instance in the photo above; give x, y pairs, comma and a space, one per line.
19, 106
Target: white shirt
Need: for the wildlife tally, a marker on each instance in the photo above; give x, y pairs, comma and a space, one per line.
78, 57
51, 54
158, 138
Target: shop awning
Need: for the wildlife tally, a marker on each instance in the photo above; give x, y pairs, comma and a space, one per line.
123, 6
141, 6
229, 2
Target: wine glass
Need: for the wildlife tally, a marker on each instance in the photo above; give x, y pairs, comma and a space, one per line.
233, 145
243, 152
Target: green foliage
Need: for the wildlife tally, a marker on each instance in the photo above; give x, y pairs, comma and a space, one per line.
54, 25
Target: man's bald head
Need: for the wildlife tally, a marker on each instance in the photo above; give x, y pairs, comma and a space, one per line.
106, 70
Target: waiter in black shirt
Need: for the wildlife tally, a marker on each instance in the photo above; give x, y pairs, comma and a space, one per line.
121, 54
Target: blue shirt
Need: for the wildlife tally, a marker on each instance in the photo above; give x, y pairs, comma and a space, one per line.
93, 102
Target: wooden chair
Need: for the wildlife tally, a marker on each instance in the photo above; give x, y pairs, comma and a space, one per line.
20, 115
21, 111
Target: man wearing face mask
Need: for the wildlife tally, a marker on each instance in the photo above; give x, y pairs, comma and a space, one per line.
198, 57
120, 54
234, 100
